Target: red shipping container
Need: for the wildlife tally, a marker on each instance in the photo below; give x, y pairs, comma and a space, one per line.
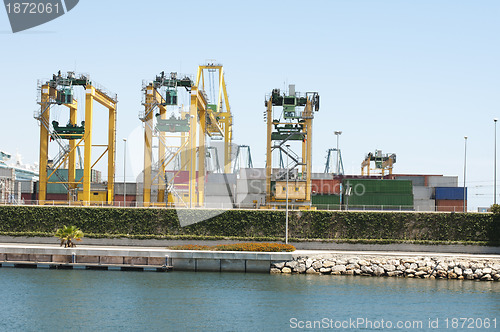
450, 205
56, 197
325, 186
181, 177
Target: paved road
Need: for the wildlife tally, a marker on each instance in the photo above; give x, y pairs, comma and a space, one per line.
295, 253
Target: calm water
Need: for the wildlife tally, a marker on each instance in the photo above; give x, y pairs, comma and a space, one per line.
79, 300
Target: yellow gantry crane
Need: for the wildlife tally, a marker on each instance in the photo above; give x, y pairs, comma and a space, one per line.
291, 122
159, 94
219, 117
383, 163
191, 128
59, 91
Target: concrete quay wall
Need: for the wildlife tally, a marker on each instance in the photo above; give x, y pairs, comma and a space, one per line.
189, 260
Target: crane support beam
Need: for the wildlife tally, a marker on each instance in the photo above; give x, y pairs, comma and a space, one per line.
44, 141
269, 166
59, 91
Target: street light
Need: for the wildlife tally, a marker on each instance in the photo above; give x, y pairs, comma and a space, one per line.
124, 171
338, 133
465, 169
287, 176
495, 166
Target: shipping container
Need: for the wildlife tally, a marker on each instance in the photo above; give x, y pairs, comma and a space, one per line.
417, 180
56, 197
26, 197
325, 199
296, 190
450, 193
326, 202
221, 178
325, 186
372, 199
130, 186
218, 202
181, 177
252, 173
442, 181
424, 205
219, 189
372, 186
321, 176
250, 200
251, 186
420, 192
119, 198
61, 175
449, 205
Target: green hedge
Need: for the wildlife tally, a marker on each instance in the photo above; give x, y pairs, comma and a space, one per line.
144, 223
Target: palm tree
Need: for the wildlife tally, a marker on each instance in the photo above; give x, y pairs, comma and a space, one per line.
68, 234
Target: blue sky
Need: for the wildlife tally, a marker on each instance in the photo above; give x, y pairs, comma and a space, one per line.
409, 77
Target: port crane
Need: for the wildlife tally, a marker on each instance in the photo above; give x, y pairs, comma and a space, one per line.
382, 163
295, 125
206, 117
59, 91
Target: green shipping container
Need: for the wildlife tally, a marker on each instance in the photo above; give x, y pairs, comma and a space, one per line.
373, 186
325, 199
326, 202
62, 175
370, 199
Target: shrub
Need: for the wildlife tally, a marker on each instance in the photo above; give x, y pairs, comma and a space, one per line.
261, 247
268, 225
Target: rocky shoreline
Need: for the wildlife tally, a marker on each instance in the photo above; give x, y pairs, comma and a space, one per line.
483, 269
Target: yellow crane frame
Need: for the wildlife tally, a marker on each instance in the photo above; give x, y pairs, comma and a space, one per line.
48, 95
221, 120
386, 165
306, 164
202, 121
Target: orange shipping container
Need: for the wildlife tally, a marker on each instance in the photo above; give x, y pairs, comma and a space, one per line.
450, 205
325, 186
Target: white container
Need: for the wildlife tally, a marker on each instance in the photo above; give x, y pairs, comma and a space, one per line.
442, 181
424, 205
422, 192
251, 186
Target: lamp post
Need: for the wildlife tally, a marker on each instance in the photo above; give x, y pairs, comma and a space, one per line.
124, 172
286, 209
338, 133
495, 166
465, 169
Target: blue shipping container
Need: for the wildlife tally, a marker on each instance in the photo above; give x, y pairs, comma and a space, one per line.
451, 193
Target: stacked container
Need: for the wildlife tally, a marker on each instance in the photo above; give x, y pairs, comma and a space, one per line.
251, 187
451, 199
369, 193
220, 190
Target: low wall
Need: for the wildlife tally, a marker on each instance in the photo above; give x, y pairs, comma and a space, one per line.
461, 267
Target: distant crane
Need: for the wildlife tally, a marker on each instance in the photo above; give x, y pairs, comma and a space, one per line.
240, 156
329, 168
383, 162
